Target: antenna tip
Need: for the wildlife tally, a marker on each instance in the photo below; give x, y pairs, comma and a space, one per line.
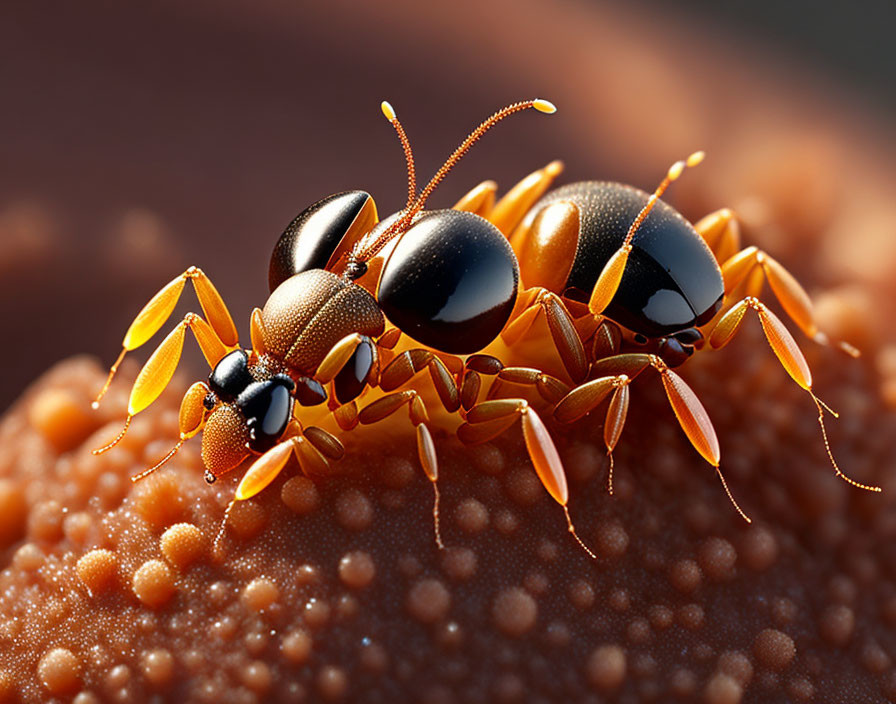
696, 158
675, 170
388, 111
555, 168
545, 106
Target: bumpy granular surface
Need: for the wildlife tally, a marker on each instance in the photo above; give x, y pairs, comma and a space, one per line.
332, 589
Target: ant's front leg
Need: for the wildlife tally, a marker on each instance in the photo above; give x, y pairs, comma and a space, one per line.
159, 309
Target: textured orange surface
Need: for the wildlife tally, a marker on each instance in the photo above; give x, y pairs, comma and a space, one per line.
334, 589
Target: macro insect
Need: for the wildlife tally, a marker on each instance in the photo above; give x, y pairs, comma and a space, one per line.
544, 302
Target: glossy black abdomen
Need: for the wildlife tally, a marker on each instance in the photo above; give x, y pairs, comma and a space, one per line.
671, 281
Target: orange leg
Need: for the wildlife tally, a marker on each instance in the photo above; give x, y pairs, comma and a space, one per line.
191, 420
508, 212
313, 448
159, 309
615, 374
787, 352
563, 330
489, 419
751, 267
721, 232
387, 405
159, 368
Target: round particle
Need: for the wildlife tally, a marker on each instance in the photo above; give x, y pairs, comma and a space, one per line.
524, 487
300, 495
723, 689
837, 624
354, 511
428, 601
683, 683
451, 635
661, 617
356, 569
62, 420
317, 613
691, 616
583, 460
581, 594
514, 611
612, 540
784, 611
801, 689
118, 677
638, 631
773, 649
296, 646
619, 600
256, 676
536, 583
247, 519
260, 594
557, 634
86, 697
396, 472
875, 658
332, 683
158, 667
685, 575
76, 526
737, 665
182, 544
347, 607
159, 499
716, 558
506, 522
13, 512
153, 583
45, 522
759, 549
98, 570
487, 458
605, 668
373, 657
459, 563
471, 516
59, 671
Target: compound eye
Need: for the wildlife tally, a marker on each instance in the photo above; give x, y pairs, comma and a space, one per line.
230, 376
267, 407
450, 282
319, 232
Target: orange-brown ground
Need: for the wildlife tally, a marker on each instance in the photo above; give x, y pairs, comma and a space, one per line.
333, 589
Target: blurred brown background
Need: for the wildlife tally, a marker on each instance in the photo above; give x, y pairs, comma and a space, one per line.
139, 138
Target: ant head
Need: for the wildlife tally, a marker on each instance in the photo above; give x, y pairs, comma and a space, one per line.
246, 413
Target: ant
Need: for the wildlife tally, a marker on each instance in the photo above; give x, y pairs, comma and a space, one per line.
622, 281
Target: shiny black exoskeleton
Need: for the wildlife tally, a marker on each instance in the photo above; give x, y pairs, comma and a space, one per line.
265, 403
672, 281
450, 282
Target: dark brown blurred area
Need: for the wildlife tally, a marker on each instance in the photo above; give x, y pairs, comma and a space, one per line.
138, 139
